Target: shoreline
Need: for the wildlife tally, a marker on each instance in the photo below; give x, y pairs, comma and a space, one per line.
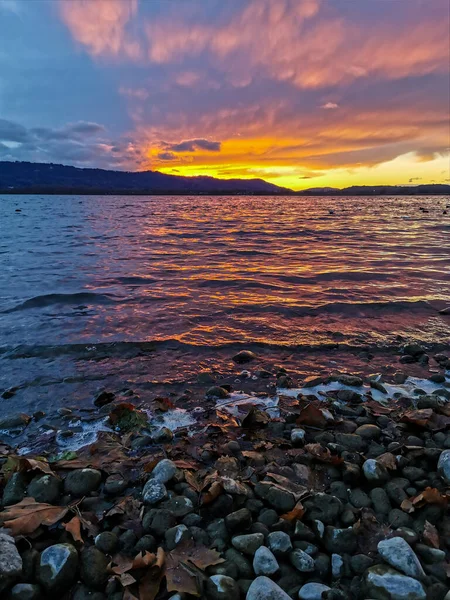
321, 473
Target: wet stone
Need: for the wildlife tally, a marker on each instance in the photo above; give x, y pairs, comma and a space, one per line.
115, 485
323, 507
264, 562
178, 506
244, 356
45, 488
340, 541
82, 482
279, 542
94, 565
399, 554
158, 521
263, 588
239, 520
176, 535
369, 432
248, 543
25, 591
217, 392
313, 591
221, 587
57, 567
375, 472
430, 555
153, 492
302, 561
384, 583
162, 436
15, 489
444, 466
243, 565
10, 561
107, 542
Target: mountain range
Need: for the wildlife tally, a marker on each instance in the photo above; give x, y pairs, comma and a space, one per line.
47, 178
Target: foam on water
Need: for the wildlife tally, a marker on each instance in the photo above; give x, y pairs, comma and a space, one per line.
231, 404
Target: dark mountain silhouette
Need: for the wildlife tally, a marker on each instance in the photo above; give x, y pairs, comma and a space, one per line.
43, 178
29, 178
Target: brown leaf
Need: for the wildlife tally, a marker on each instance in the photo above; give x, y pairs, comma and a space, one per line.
126, 579
149, 585
430, 496
164, 404
417, 417
74, 528
143, 560
254, 417
431, 535
203, 557
26, 516
186, 464
295, 514
122, 564
178, 577
192, 480
285, 484
313, 416
388, 460
127, 595
407, 506
214, 492
323, 454
178, 574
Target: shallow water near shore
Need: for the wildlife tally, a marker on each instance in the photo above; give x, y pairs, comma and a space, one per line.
147, 291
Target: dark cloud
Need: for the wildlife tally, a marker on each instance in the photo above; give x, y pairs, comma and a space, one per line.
192, 145
167, 156
13, 132
415, 179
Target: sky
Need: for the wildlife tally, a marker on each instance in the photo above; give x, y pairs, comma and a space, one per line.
301, 93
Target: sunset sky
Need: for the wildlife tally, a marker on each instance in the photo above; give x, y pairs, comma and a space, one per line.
302, 93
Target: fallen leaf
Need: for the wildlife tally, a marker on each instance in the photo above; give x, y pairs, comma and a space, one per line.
388, 460
430, 496
179, 576
313, 416
295, 514
378, 409
285, 484
254, 417
417, 417
143, 560
126, 579
323, 454
192, 480
26, 516
431, 535
164, 404
149, 585
186, 464
74, 528
214, 492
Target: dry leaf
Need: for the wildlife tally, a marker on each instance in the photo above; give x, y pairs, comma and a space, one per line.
313, 416
26, 516
74, 528
417, 417
164, 404
323, 454
126, 579
214, 492
430, 496
431, 535
295, 514
388, 460
285, 484
178, 574
192, 480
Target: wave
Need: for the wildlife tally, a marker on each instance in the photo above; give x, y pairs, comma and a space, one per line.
64, 299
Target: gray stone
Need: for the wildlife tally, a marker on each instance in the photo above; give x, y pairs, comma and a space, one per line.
302, 561
15, 489
115, 484
444, 466
399, 554
384, 583
10, 561
107, 542
180, 506
351, 441
238, 520
298, 437
323, 507
83, 592
249, 543
244, 356
429, 555
264, 588
94, 565
264, 562
313, 591
157, 521
45, 488
57, 567
337, 566
369, 432
380, 501
221, 587
164, 471
162, 436
17, 421
340, 541
375, 472
25, 591
217, 392
154, 492
82, 482
176, 535
244, 566
279, 542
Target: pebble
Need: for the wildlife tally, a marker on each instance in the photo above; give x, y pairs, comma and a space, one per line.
263, 588
248, 543
82, 482
115, 484
340, 541
244, 356
25, 591
313, 591
399, 554
279, 542
264, 562
444, 466
10, 561
337, 566
176, 535
15, 489
383, 582
298, 437
221, 587
302, 561
57, 567
162, 436
153, 492
94, 570
107, 542
375, 472
45, 488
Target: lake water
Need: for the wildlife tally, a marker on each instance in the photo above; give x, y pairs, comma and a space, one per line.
142, 289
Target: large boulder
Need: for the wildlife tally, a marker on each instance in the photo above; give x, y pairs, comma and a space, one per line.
399, 554
384, 583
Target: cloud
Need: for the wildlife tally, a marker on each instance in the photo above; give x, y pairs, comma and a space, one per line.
192, 145
414, 179
13, 132
166, 156
330, 106
10, 6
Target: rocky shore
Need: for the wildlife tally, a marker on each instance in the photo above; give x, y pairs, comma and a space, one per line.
339, 489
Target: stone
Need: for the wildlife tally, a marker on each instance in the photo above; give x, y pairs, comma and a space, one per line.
369, 432
107, 542
17, 421
264, 562
340, 541
239, 520
337, 566
221, 587
10, 561
413, 350
25, 591
279, 542
83, 592
115, 484
351, 441
244, 356
444, 466
164, 471
323, 507
359, 498
360, 563
45, 488
180, 506
248, 543
350, 380
156, 521
94, 565
176, 535
57, 567
154, 492
349, 396
82, 482
399, 554
302, 561
298, 437
102, 398
430, 555
162, 436
313, 591
15, 489
384, 583
375, 472
217, 392
263, 588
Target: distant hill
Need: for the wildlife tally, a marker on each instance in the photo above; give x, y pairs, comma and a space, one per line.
43, 178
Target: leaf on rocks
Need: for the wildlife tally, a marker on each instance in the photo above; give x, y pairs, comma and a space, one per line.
431, 535
179, 579
285, 484
164, 404
74, 528
430, 496
295, 514
417, 417
179, 573
186, 464
407, 506
122, 564
126, 580
192, 480
149, 585
388, 460
323, 454
314, 416
377, 409
143, 560
126, 417
214, 492
128, 506
254, 417
26, 516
